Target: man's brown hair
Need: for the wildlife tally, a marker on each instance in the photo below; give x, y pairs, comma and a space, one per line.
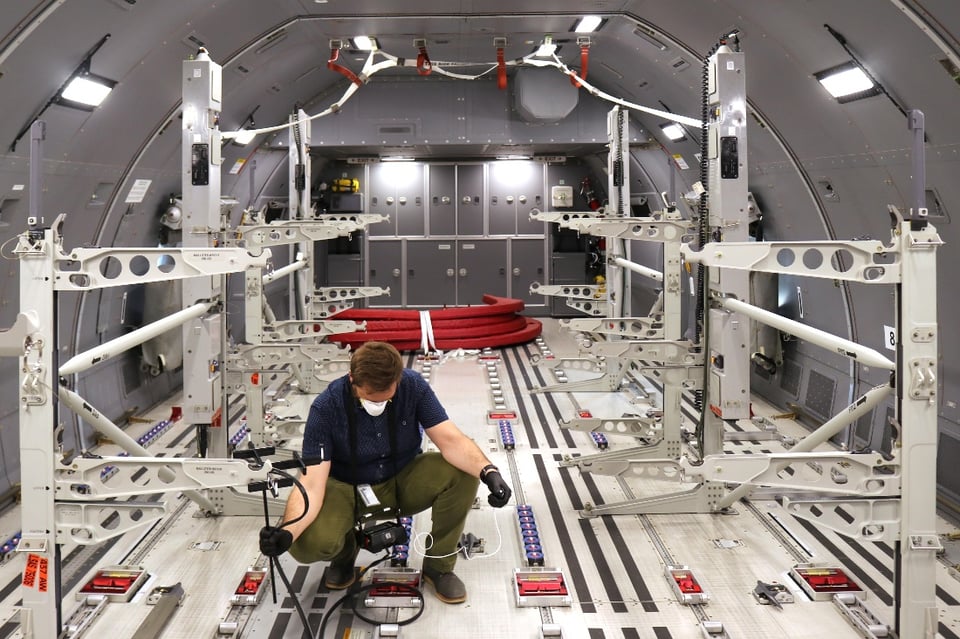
376, 366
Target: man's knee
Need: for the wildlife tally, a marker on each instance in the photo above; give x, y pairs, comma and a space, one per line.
315, 546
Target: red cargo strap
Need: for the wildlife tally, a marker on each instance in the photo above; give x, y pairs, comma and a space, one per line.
424, 66
333, 66
501, 70
584, 59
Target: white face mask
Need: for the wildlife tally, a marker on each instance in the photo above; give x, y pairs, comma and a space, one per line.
374, 408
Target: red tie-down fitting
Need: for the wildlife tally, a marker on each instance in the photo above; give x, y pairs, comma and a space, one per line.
584, 42
334, 66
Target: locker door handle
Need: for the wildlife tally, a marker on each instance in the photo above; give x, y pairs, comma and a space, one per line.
451, 272
396, 272
516, 272
411, 273
463, 272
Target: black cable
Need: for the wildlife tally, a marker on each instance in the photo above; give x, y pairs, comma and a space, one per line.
275, 561
357, 589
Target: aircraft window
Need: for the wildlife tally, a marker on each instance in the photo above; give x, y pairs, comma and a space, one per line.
139, 265
812, 258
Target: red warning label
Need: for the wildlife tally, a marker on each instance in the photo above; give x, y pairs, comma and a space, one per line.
42, 585
30, 572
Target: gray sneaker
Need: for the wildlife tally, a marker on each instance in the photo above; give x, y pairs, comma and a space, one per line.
449, 589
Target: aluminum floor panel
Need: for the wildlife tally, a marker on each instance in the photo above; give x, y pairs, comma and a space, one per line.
613, 565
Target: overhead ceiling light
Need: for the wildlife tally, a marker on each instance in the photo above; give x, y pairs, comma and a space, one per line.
88, 90
244, 137
546, 48
396, 158
673, 131
364, 43
847, 82
588, 24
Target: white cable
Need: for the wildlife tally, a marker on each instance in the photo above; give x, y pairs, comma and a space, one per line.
423, 547
370, 69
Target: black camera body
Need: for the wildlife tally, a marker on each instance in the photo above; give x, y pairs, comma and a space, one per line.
381, 536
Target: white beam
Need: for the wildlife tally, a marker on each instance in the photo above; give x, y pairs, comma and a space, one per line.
862, 354
646, 271
94, 356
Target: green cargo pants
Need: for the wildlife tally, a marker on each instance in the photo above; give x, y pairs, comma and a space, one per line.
428, 481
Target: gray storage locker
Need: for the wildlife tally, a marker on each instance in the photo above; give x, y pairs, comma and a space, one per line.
442, 200
386, 270
431, 273
527, 265
470, 199
481, 268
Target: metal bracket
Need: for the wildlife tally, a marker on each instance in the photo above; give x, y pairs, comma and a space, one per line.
84, 269
250, 358
659, 227
15, 340
328, 301
324, 227
923, 377
872, 519
835, 473
586, 298
629, 327
866, 261
660, 353
81, 480
82, 523
286, 330
645, 427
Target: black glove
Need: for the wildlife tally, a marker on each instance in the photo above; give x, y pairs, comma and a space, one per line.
275, 541
499, 490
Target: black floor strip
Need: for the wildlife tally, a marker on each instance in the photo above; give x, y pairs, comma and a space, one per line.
573, 562
623, 549
9, 588
595, 549
945, 632
10, 627
660, 632
534, 399
630, 633
521, 407
189, 430
946, 597
567, 436
279, 627
859, 575
596, 633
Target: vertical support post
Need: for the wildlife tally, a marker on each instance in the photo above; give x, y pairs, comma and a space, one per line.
40, 615
38, 133
618, 191
300, 178
201, 159
915, 122
728, 358
917, 335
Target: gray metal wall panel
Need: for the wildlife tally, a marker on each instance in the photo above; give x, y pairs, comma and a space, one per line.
470, 199
442, 200
344, 270
431, 277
